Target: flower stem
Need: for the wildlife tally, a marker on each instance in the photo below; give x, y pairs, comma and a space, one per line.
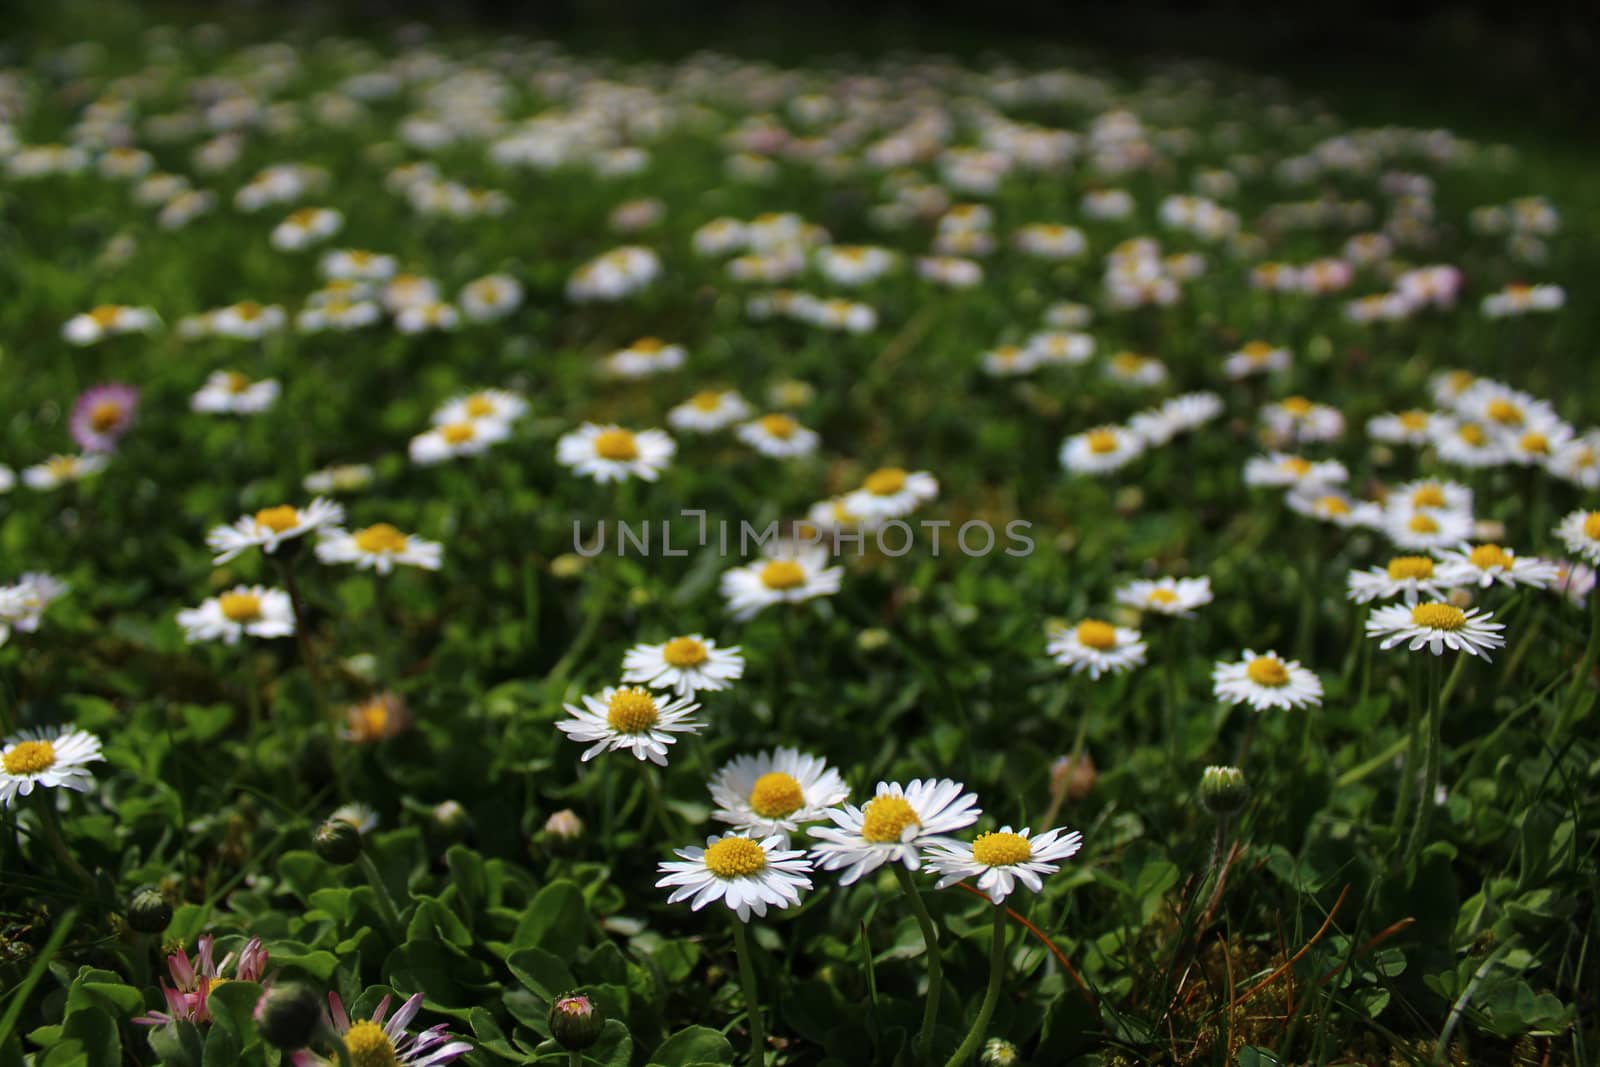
930, 945
575, 1057
1430, 776
51, 824
386, 908
1586, 665
1409, 773
752, 1005
303, 635
991, 996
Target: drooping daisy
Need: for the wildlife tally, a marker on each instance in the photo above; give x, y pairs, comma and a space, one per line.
893, 827
890, 492
46, 758
1097, 647
387, 1044
379, 547
252, 610
630, 719
611, 454
644, 357
790, 574
745, 874
192, 981
470, 437
1167, 596
709, 411
229, 392
1580, 532
776, 792
1404, 576
106, 321
102, 415
271, 527
1002, 858
1487, 564
363, 817
1279, 470
686, 665
1265, 680
1437, 626
62, 470
779, 436
1101, 450
1257, 357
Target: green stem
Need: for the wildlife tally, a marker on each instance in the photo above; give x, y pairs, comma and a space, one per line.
1170, 705
1413, 718
386, 908
1430, 776
1586, 666
575, 1057
752, 1006
50, 822
930, 945
991, 996
302, 634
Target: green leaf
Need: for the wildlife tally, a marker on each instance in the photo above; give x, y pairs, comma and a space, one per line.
694, 1045
179, 1044
557, 921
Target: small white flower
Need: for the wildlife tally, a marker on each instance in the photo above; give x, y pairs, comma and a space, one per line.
1279, 470
251, 610
1486, 565
612, 454
1265, 681
778, 436
380, 548
686, 665
246, 320
1167, 596
1580, 532
62, 470
1412, 528
709, 411
745, 874
1009, 361
629, 719
791, 573
1403, 576
358, 265
341, 478
1296, 419
776, 792
228, 392
494, 296
24, 602
306, 227
893, 827
46, 759
423, 318
1061, 348
1436, 626
1097, 647
890, 492
1101, 450
498, 405
106, 321
1401, 428
1257, 357
1331, 505
645, 357
271, 527
470, 437
1001, 859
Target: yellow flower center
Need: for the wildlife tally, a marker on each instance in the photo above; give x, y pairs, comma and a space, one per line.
1403, 567
1485, 556
370, 721
1472, 434
710, 400
1414, 420
1591, 526
885, 818
457, 433
648, 344
237, 383
1333, 505
240, 607
105, 415
783, 574
248, 310
631, 711
780, 426
29, 757
775, 795
278, 519
1423, 524
1504, 412
1428, 496
304, 217
885, 481
1092, 633
1001, 849
616, 444
735, 857
1298, 406
1458, 380
369, 1046
1439, 616
1535, 442
1163, 596
479, 406
1267, 670
375, 540
1127, 362
1102, 441
1257, 351
61, 467
105, 315
1296, 466
684, 652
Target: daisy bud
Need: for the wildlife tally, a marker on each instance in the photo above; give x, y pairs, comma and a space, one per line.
450, 816
338, 842
567, 565
872, 639
998, 1052
1073, 779
563, 827
1223, 790
576, 1021
148, 911
1491, 530
288, 1016
1461, 598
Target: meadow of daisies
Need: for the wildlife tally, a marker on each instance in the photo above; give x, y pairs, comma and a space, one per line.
513, 556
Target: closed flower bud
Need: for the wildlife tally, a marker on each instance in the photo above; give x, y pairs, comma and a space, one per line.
449, 815
998, 1052
148, 911
338, 842
576, 1021
1223, 790
563, 827
289, 1016
1073, 779
872, 639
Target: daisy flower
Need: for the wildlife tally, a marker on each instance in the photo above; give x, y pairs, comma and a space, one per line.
1425, 529
229, 392
1067, 315
745, 874
498, 404
376, 1042
378, 718
709, 411
1280, 470
24, 602
193, 980
1409, 427
778, 436
271, 527
8, 478
1298, 419
102, 415
1129, 368
1177, 597
1489, 564
340, 478
306, 227
853, 264
1008, 361
1331, 505
1101, 450
1466, 443
890, 492
1257, 357
62, 470
893, 827
790, 574
357, 265
1575, 581
494, 296
685, 665
1580, 532
1265, 681
47, 758
611, 454
247, 320
1578, 462
1061, 348
421, 318
644, 357
107, 320
1518, 299
338, 314
379, 547
362, 817
251, 610
1437, 626
470, 437
776, 792
1097, 647
1431, 494
1403, 576
631, 719
1002, 858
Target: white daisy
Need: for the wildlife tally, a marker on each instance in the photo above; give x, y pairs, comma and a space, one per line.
709, 411
339, 315
1167, 596
229, 392
24, 602
62, 470
409, 291
46, 758
1402, 427
745, 874
1257, 357
686, 665
1002, 858
1101, 450
306, 227
271, 527
790, 574
890, 492
1067, 315
498, 404
1467, 443
1488, 564
247, 320
1007, 361
1425, 529
631, 719
357, 265
1578, 461
1403, 576
470, 437
1580, 532
1296, 419
1280, 470
776, 792
363, 817
251, 610
1265, 681
106, 321
646, 356
893, 826
778, 436
494, 296
1437, 626
1430, 495
1097, 647
1130, 368
340, 478
421, 318
379, 547
1061, 347
1331, 505
611, 454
